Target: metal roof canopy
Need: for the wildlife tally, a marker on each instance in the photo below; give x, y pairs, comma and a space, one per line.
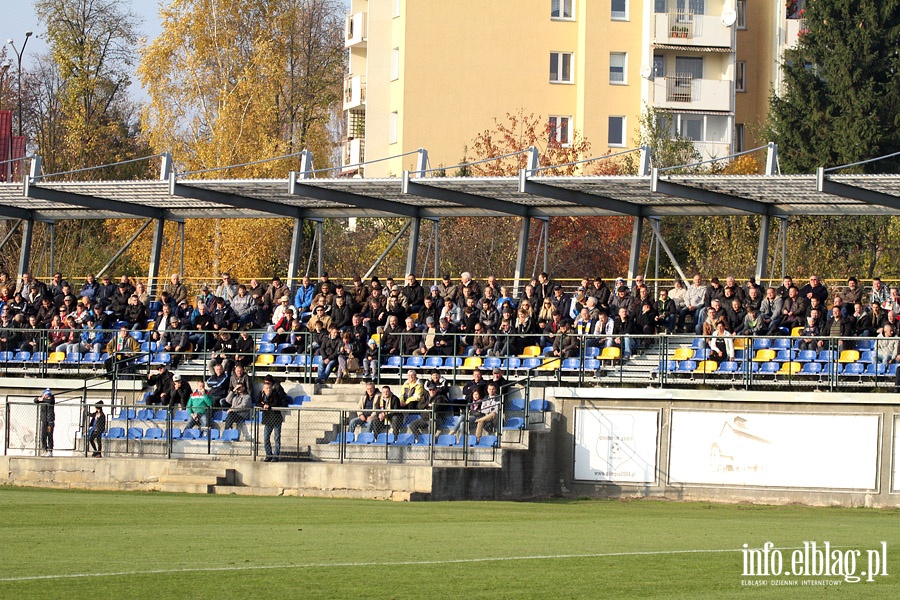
540, 196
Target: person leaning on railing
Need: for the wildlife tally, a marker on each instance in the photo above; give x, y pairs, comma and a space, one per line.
121, 348
198, 407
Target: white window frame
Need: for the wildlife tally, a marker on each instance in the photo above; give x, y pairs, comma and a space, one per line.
740, 76
562, 10
624, 80
396, 4
392, 127
622, 130
559, 59
741, 9
620, 16
557, 124
395, 64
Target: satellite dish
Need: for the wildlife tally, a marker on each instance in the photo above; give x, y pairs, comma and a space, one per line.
729, 16
646, 71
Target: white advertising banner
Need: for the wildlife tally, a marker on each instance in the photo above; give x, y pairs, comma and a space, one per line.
618, 446
774, 449
896, 447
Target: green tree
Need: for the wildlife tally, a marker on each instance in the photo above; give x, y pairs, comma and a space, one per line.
841, 97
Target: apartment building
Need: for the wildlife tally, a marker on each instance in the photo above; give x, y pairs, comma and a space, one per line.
435, 74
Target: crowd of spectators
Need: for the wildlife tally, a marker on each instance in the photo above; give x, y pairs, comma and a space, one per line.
356, 327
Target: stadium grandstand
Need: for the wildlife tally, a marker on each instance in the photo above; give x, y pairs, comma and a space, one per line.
606, 386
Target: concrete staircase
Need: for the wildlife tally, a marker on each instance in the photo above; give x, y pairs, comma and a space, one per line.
194, 477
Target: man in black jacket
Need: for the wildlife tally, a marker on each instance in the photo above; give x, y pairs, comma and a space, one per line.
164, 387
271, 398
329, 351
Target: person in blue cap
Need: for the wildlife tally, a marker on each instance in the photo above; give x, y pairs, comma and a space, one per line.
46, 420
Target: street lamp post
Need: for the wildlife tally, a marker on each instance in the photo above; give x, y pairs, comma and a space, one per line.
19, 54
8, 166
3, 69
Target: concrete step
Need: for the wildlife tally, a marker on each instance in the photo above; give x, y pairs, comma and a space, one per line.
190, 479
186, 488
244, 490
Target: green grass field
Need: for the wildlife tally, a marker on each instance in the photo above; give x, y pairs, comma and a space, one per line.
60, 544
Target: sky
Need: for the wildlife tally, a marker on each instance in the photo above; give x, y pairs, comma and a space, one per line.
19, 17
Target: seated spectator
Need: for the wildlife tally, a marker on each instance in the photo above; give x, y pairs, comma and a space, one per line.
434, 403
601, 337
565, 344
201, 328
240, 406
482, 340
176, 289
850, 296
414, 293
623, 329
451, 312
318, 315
753, 323
223, 316
413, 391
386, 406
887, 349
175, 341
217, 384
199, 407
92, 337
808, 335
163, 384
666, 312
135, 313
370, 360
227, 290
329, 351
504, 341
347, 362
879, 294
365, 415
721, 343
121, 349
244, 308
303, 297
444, 340
490, 412
223, 352
182, 392
735, 314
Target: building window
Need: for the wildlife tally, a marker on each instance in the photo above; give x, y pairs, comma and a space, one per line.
659, 6
659, 65
392, 128
560, 130
742, 14
616, 136
619, 10
560, 67
562, 9
618, 61
739, 137
690, 7
740, 76
395, 64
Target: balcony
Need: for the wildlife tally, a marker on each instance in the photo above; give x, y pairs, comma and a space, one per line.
355, 31
353, 152
793, 29
681, 91
354, 92
687, 29
711, 150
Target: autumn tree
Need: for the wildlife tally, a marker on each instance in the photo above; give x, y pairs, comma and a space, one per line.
84, 92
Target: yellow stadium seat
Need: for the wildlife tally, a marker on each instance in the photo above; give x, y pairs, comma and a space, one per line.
796, 331
376, 337
740, 343
682, 354
264, 360
706, 366
790, 368
610, 353
471, 362
150, 326
766, 355
530, 352
848, 356
56, 357
550, 364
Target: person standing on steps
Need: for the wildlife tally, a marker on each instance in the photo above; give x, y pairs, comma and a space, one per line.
46, 420
96, 430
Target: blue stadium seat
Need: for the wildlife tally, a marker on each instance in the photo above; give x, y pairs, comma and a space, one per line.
301, 360
783, 355
539, 405
423, 439
219, 416
161, 415
761, 343
384, 438
153, 433
491, 362
446, 440
515, 404
687, 366
191, 434
781, 344
433, 362
282, 346
892, 370
729, 366
405, 439
487, 441
811, 368
115, 433
413, 362
267, 348
267, 337
345, 436
532, 362
592, 352
875, 370
863, 345
135, 433
514, 423
571, 364
450, 422
394, 362
868, 356
161, 358
854, 369
512, 363
283, 360
180, 415
213, 433
146, 414
769, 368
826, 356
231, 435
805, 356
451, 362
125, 413
174, 433
591, 364
364, 438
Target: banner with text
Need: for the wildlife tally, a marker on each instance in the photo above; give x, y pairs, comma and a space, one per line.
617, 446
774, 449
